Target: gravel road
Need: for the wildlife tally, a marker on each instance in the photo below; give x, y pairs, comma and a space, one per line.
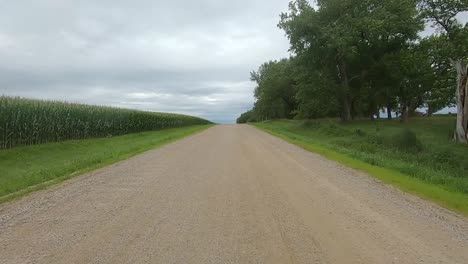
231, 194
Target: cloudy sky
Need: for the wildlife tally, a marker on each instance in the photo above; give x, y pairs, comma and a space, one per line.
183, 56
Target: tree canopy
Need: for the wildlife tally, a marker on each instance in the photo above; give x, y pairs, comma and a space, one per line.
354, 58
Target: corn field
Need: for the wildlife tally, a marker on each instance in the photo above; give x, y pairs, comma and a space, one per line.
27, 121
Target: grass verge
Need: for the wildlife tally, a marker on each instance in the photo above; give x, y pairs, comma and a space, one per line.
30, 168
385, 167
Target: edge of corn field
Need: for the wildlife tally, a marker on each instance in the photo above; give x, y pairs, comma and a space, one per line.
26, 121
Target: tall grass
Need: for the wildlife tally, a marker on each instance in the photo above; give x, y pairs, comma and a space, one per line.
28, 122
421, 149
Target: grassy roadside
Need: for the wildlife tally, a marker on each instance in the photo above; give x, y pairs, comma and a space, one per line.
30, 168
432, 178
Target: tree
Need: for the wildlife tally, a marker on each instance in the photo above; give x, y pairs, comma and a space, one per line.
347, 38
443, 90
461, 130
351, 58
246, 117
442, 13
315, 91
275, 92
411, 73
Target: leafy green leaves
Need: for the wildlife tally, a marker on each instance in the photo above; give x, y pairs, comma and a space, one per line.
352, 58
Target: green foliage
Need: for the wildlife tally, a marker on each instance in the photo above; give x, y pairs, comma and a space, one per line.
353, 58
316, 92
28, 122
443, 14
27, 168
342, 42
275, 91
359, 132
246, 117
444, 76
406, 140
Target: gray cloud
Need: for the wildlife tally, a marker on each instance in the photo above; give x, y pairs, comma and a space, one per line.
191, 57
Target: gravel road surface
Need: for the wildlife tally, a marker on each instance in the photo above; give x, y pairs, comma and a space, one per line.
231, 194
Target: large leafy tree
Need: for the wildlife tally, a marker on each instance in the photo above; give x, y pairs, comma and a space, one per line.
315, 91
354, 57
411, 75
275, 92
347, 39
443, 15
442, 90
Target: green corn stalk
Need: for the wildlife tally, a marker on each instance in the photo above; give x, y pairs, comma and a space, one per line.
27, 121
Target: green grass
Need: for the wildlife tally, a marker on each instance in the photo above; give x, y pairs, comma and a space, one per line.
29, 168
429, 165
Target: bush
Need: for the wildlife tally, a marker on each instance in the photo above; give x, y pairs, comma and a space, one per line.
359, 132
246, 117
406, 140
333, 129
375, 139
310, 124
443, 156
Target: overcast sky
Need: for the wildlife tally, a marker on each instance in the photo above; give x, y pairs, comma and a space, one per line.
183, 56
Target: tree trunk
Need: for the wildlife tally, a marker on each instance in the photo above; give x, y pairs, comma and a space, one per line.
389, 112
345, 100
346, 109
461, 131
430, 110
346, 112
412, 106
404, 112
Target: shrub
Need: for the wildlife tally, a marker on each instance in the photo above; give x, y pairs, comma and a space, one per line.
334, 130
442, 156
359, 132
310, 124
246, 117
406, 140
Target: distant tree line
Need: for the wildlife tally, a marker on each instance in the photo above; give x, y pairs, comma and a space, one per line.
353, 58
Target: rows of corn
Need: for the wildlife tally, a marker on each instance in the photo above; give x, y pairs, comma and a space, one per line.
28, 122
